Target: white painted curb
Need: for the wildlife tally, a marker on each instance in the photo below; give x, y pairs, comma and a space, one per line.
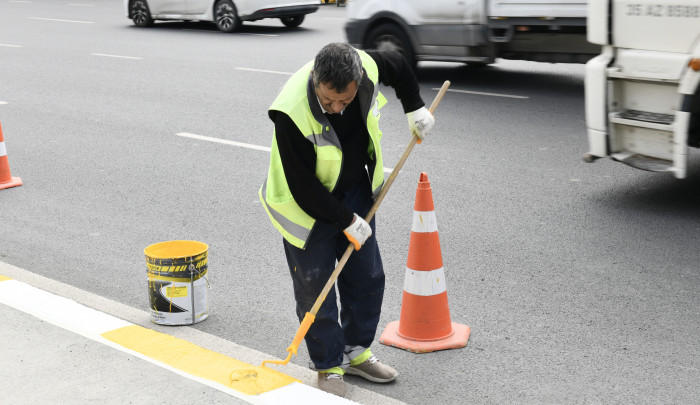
91, 324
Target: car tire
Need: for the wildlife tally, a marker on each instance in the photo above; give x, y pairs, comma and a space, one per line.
293, 22
140, 13
226, 16
391, 37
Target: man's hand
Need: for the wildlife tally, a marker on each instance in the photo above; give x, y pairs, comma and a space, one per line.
420, 122
358, 232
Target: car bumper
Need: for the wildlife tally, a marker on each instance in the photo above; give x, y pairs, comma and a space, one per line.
279, 12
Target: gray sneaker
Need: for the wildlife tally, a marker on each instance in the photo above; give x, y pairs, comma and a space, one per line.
373, 370
332, 383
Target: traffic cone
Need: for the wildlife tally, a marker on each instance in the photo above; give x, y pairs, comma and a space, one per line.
425, 324
6, 179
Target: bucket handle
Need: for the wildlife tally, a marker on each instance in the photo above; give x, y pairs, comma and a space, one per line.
193, 269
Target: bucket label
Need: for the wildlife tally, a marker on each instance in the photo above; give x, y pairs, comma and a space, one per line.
172, 292
175, 303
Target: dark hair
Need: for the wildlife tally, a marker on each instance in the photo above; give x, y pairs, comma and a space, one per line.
337, 65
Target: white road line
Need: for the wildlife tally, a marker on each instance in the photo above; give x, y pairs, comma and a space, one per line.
264, 71
234, 143
82, 5
19, 1
3, 102
116, 56
224, 141
55, 19
483, 94
258, 35
11, 46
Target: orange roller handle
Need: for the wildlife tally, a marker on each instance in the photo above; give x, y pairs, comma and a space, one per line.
301, 332
294, 347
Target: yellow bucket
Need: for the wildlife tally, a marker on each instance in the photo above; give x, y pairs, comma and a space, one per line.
177, 282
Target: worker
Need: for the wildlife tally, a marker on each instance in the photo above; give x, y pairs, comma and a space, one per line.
325, 169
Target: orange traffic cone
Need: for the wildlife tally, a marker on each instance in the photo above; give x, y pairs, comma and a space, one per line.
425, 324
6, 179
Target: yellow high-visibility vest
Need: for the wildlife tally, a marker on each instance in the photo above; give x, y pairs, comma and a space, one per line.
298, 100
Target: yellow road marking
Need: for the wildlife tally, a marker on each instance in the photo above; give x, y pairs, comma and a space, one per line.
199, 362
3, 278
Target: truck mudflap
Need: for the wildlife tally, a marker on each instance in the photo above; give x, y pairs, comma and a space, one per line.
596, 103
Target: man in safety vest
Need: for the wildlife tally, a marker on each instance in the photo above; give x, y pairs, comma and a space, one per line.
325, 169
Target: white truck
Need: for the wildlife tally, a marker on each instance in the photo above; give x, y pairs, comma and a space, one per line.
475, 32
642, 93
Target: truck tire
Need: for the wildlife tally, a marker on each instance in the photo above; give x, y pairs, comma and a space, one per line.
694, 124
390, 37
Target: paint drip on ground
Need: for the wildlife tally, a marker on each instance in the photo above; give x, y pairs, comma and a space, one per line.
177, 282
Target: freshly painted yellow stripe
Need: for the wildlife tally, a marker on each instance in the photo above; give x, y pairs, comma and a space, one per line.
3, 278
199, 362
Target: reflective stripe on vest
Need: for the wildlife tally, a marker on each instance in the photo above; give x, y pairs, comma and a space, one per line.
295, 231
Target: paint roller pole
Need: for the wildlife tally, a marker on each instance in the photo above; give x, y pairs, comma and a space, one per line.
311, 315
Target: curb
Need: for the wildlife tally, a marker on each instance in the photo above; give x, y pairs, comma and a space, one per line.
226, 368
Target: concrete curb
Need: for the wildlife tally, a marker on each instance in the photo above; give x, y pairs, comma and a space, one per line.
194, 336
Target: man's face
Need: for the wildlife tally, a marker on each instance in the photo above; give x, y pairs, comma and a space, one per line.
333, 101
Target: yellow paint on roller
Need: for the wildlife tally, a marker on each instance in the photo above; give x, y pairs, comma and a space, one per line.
199, 362
3, 278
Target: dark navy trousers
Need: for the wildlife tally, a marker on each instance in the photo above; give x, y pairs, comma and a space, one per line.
360, 287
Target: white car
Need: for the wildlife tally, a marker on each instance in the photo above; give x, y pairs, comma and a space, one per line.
227, 14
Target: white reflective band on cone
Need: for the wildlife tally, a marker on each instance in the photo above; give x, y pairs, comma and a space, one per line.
424, 221
425, 283
3, 151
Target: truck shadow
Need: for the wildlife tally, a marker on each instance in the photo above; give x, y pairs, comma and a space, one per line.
508, 76
659, 194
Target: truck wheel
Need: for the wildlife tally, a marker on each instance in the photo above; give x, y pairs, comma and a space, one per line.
293, 22
226, 17
390, 37
140, 14
694, 124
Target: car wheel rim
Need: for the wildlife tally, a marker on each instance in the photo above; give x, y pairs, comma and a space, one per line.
224, 16
139, 12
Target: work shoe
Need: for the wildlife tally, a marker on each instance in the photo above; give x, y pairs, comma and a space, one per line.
332, 383
373, 370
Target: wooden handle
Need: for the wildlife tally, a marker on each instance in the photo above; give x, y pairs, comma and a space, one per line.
402, 160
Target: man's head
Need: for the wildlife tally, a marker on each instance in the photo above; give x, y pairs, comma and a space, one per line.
337, 74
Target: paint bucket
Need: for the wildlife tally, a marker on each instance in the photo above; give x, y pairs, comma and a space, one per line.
177, 282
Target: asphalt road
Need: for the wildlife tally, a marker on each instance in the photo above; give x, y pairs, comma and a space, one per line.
580, 281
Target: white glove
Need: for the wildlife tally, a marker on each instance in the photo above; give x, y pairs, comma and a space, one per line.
358, 232
420, 122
